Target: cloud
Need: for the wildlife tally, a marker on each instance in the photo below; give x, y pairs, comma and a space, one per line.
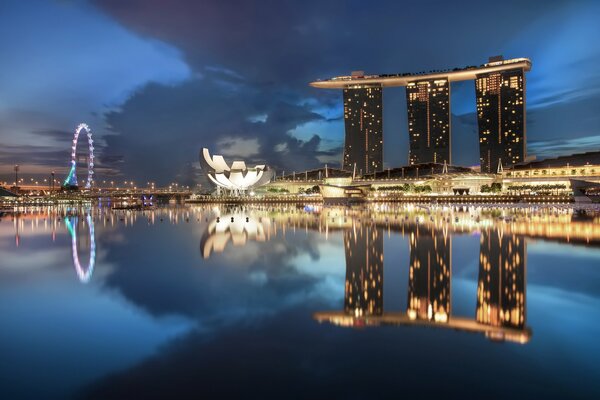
287, 281
255, 60
561, 147
236, 147
160, 130
285, 46
67, 62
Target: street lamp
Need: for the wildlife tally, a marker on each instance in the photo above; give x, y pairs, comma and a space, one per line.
16, 176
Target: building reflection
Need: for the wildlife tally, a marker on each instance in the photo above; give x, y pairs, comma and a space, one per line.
235, 227
429, 274
500, 304
363, 246
501, 308
501, 283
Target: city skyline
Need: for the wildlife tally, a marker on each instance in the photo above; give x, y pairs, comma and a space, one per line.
288, 196
215, 86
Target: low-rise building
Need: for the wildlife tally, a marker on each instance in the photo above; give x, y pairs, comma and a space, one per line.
543, 177
553, 175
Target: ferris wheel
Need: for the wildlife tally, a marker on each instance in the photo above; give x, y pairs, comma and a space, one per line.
71, 180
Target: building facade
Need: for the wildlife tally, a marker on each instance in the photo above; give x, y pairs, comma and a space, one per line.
501, 119
235, 178
363, 120
428, 107
500, 93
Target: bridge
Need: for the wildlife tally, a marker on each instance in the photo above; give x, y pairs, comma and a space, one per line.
69, 190
37, 193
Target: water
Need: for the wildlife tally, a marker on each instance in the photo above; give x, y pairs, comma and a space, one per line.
299, 302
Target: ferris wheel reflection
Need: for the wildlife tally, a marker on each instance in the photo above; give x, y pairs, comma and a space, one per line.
71, 222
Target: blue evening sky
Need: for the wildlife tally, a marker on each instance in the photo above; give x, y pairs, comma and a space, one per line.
157, 81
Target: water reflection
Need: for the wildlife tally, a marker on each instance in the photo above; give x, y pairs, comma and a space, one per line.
364, 271
500, 303
500, 310
71, 222
429, 274
206, 288
501, 284
235, 227
555, 223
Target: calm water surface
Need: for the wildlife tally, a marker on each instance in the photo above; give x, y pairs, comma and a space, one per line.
299, 302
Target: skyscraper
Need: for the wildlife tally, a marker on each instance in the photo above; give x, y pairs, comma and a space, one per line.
501, 284
364, 128
429, 274
428, 106
501, 118
500, 90
363, 293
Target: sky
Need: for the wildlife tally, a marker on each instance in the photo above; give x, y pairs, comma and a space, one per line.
157, 81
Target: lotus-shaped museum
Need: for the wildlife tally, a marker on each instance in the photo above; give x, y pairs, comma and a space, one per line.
236, 177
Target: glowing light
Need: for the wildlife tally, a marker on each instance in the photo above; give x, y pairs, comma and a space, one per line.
71, 179
84, 275
238, 177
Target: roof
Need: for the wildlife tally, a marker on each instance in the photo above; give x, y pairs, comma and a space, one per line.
315, 174
410, 171
6, 193
403, 79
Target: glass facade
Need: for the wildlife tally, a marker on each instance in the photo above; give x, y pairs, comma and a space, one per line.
500, 96
428, 107
501, 118
363, 120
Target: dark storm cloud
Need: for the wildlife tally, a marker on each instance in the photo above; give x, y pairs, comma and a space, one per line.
43, 159
289, 43
244, 90
105, 164
54, 134
256, 58
40, 155
160, 129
